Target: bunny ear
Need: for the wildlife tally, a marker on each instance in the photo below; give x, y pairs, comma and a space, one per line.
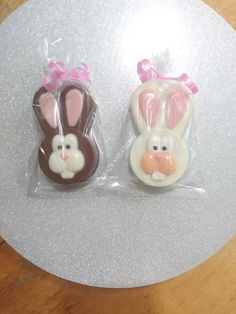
48, 107
74, 106
149, 107
177, 105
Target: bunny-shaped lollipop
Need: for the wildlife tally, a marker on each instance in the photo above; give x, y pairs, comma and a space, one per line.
68, 153
161, 110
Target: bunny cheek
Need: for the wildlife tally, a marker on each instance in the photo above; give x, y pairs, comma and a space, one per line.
162, 162
149, 163
69, 166
167, 163
56, 163
75, 160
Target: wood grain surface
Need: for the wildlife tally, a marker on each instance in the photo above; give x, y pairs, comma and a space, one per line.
208, 289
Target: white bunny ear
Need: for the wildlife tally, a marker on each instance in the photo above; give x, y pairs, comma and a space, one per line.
74, 106
160, 104
48, 107
149, 107
178, 109
145, 106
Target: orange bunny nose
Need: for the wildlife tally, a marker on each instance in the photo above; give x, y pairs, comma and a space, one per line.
162, 162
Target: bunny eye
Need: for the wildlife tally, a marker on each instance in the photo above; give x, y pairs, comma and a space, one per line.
167, 144
154, 143
57, 142
71, 141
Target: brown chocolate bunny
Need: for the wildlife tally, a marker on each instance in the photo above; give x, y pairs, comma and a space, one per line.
68, 153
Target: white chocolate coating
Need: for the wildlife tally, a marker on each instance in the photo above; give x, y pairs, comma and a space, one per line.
66, 158
159, 170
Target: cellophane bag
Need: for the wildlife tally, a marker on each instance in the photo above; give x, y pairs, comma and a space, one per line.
157, 147
69, 154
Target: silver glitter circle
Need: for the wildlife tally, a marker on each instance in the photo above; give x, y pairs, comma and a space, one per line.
105, 240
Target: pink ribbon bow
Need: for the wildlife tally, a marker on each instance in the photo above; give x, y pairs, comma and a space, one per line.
59, 73
146, 71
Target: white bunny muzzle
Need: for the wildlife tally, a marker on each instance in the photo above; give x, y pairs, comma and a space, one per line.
66, 158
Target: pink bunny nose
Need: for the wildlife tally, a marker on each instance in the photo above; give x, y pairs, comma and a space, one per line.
166, 161
160, 156
64, 156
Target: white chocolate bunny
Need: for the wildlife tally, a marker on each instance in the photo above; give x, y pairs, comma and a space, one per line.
161, 111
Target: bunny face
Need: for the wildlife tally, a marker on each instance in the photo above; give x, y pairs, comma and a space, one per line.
161, 112
68, 153
66, 158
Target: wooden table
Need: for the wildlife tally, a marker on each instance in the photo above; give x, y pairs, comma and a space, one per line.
208, 289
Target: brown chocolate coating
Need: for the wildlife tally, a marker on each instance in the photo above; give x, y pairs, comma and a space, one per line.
82, 130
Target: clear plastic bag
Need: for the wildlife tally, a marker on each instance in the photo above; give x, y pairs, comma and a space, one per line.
155, 152
157, 149
70, 152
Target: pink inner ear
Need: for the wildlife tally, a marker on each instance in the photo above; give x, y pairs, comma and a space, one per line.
74, 105
149, 106
48, 107
176, 108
